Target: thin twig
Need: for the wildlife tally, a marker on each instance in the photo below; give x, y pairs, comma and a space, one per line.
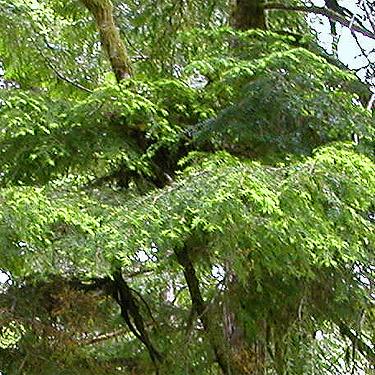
368, 15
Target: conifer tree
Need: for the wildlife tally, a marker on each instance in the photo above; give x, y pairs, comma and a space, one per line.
181, 196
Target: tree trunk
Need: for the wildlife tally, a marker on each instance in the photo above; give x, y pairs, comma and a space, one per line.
232, 354
102, 10
248, 14
247, 358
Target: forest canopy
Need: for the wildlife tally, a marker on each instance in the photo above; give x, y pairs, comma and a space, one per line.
185, 188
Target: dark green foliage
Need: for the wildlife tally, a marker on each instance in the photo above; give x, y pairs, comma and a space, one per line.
281, 108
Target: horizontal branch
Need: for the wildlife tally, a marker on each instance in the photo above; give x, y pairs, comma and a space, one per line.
334, 16
103, 337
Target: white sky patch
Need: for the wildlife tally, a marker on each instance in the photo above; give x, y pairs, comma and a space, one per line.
322, 27
319, 335
4, 277
347, 48
319, 3
142, 256
349, 4
218, 272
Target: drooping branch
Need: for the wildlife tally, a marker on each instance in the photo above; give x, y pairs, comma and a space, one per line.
58, 73
330, 14
123, 295
102, 10
199, 306
132, 316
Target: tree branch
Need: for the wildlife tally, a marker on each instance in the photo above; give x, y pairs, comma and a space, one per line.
57, 72
199, 307
102, 10
130, 309
103, 337
365, 349
334, 16
66, 79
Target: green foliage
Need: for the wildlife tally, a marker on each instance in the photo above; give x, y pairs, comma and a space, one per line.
10, 334
284, 225
155, 46
290, 22
279, 107
114, 127
231, 146
34, 223
333, 187
46, 33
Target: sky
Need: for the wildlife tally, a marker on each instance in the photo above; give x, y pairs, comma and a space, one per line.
348, 51
4, 277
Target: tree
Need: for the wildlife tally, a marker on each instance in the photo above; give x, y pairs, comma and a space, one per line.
188, 202
102, 11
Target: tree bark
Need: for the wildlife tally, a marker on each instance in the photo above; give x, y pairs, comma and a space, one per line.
249, 14
247, 358
102, 10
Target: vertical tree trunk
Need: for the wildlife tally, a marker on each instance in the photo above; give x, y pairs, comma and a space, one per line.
102, 10
247, 358
248, 14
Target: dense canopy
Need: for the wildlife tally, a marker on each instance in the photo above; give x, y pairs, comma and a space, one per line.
180, 192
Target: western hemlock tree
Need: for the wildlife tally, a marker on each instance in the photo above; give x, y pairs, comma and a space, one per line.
179, 196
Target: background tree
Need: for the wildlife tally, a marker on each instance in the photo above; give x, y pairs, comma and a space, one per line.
209, 214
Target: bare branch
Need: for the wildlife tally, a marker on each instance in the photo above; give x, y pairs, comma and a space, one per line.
334, 16
66, 79
368, 14
103, 337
